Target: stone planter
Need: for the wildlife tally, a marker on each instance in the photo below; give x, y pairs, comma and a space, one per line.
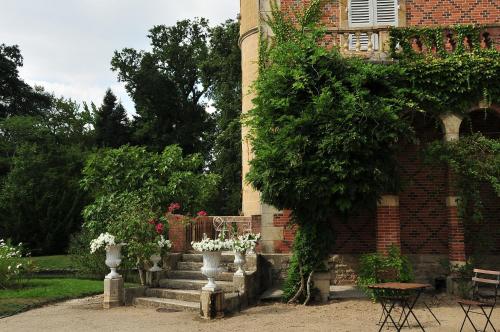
113, 260
211, 263
155, 258
239, 261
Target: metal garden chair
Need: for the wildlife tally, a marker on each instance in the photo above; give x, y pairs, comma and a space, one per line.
486, 301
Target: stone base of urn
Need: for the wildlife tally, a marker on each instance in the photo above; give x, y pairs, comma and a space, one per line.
153, 278
322, 283
113, 293
212, 304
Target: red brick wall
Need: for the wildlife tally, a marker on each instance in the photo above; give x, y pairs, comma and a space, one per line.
330, 8
448, 12
388, 228
355, 235
289, 230
422, 203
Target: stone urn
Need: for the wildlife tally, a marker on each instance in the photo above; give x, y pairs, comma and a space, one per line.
239, 261
211, 263
155, 258
113, 260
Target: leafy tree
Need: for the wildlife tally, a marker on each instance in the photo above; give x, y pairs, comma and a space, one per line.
40, 197
324, 131
111, 123
167, 85
226, 94
17, 97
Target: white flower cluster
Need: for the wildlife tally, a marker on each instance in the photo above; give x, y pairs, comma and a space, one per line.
245, 242
10, 265
105, 239
7, 251
211, 245
164, 243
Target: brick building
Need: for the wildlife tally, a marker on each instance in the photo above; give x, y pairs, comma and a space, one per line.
422, 220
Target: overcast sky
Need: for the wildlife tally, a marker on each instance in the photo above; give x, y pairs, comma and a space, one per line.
67, 45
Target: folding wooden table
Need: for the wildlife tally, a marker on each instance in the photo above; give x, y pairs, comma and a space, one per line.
397, 292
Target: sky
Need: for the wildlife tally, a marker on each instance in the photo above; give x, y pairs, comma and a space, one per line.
67, 45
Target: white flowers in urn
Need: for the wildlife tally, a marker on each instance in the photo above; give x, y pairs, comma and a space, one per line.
113, 252
163, 245
212, 251
240, 245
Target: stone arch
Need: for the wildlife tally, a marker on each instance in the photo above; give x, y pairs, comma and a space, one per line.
483, 120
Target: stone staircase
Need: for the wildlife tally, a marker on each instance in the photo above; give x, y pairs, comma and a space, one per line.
181, 288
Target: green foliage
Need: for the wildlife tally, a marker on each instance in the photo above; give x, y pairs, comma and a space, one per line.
371, 266
17, 97
474, 160
167, 85
131, 186
324, 129
159, 178
225, 92
85, 263
40, 197
111, 123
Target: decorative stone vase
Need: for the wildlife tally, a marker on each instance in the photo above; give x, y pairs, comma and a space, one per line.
211, 262
155, 258
239, 261
113, 260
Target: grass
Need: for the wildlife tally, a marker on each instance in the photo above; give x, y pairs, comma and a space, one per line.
39, 291
50, 263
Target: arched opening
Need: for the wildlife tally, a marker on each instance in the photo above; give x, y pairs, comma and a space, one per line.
483, 238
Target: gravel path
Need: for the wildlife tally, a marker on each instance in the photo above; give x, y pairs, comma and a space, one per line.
343, 315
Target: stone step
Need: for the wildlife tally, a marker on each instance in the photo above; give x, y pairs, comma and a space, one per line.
193, 274
227, 257
196, 266
193, 284
176, 294
156, 302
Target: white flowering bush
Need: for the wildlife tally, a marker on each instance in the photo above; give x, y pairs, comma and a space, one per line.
245, 242
211, 245
11, 266
164, 244
103, 240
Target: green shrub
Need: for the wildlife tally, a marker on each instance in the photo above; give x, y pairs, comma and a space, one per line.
13, 269
372, 264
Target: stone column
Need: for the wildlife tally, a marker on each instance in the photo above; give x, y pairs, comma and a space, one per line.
388, 223
456, 236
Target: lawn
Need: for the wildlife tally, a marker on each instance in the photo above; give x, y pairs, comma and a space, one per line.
51, 263
38, 291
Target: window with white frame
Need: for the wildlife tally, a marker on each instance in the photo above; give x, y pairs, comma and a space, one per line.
370, 13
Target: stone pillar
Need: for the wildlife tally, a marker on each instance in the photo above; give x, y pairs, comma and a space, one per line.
456, 236
388, 223
212, 304
113, 293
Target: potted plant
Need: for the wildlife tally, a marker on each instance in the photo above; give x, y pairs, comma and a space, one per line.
113, 252
212, 252
240, 246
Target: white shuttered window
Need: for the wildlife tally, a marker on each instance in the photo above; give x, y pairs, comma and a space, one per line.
368, 13
364, 13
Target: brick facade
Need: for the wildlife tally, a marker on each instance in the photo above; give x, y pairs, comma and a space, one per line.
448, 12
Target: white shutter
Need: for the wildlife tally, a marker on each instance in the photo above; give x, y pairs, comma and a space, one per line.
386, 12
360, 13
